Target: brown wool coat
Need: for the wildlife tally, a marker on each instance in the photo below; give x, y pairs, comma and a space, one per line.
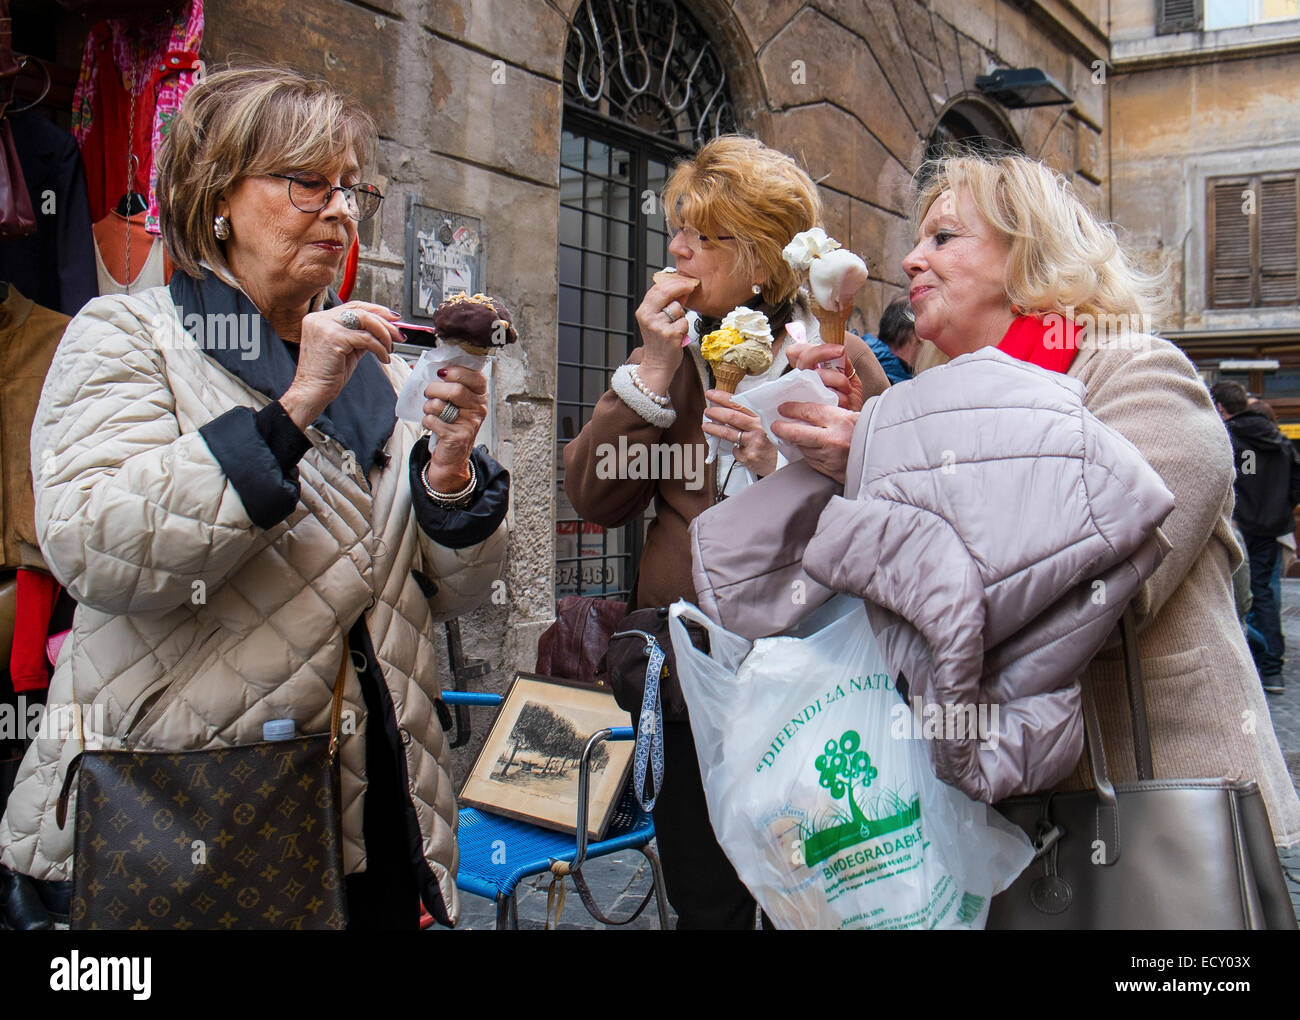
29, 336
666, 560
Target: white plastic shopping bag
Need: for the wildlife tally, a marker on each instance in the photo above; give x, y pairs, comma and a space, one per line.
818, 790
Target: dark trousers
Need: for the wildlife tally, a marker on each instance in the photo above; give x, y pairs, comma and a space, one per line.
702, 885
1266, 613
385, 897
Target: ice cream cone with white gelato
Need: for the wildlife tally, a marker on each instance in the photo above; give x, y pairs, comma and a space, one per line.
835, 275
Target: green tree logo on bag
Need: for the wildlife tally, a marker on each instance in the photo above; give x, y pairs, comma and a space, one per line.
843, 765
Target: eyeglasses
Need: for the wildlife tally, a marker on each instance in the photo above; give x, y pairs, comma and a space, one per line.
696, 241
310, 193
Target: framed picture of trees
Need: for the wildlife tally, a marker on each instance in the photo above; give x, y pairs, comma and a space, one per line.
528, 768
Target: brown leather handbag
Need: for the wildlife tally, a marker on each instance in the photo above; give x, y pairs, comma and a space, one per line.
1157, 853
227, 838
571, 648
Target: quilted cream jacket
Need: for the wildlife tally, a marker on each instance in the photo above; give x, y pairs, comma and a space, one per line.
194, 625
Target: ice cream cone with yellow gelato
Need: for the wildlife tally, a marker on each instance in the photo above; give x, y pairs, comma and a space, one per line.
741, 346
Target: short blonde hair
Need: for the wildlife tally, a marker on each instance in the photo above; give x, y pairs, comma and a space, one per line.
738, 186
1062, 258
238, 123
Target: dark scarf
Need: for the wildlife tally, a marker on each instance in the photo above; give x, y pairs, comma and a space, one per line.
361, 417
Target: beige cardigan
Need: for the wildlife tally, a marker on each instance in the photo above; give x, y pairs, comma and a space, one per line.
1206, 707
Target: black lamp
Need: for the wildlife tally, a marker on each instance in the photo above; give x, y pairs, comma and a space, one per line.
1019, 87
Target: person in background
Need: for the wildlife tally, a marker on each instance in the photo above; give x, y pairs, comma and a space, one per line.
897, 345
1268, 489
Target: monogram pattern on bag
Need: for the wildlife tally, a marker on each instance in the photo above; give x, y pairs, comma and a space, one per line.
235, 838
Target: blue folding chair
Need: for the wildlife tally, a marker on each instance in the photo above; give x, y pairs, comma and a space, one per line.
485, 871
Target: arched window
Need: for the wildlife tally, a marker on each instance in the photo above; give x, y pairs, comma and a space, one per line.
647, 64
643, 86
970, 124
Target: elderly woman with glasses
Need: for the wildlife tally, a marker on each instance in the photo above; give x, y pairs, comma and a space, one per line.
233, 516
734, 206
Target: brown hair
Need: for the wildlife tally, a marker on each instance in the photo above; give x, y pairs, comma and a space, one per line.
738, 186
238, 123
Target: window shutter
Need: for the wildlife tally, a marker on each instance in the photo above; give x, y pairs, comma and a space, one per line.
1231, 265
1277, 241
1178, 16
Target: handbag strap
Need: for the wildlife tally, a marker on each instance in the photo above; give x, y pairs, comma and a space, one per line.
1137, 704
336, 706
648, 755
1108, 805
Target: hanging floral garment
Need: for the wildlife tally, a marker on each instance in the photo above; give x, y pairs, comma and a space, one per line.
140, 66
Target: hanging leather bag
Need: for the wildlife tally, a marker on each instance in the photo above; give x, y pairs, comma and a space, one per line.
1156, 853
227, 838
571, 648
16, 215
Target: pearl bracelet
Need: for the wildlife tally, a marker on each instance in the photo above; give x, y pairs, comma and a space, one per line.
658, 398
453, 499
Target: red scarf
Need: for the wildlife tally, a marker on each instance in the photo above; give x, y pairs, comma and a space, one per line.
1048, 346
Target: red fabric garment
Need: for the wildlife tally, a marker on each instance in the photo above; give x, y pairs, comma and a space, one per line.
37, 594
154, 57
104, 142
1051, 346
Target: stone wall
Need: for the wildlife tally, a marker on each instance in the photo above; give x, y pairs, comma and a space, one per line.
468, 99
878, 75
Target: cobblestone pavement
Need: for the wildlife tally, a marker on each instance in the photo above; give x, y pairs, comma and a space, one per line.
618, 882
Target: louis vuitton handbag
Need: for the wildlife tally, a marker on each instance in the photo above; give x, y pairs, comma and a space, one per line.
220, 839
1157, 853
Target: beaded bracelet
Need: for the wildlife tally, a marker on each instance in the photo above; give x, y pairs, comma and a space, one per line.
658, 398
453, 500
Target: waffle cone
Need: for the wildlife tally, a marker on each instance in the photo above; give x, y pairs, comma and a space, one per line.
832, 324
728, 376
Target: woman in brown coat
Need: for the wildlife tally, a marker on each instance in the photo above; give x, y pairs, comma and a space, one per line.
735, 206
